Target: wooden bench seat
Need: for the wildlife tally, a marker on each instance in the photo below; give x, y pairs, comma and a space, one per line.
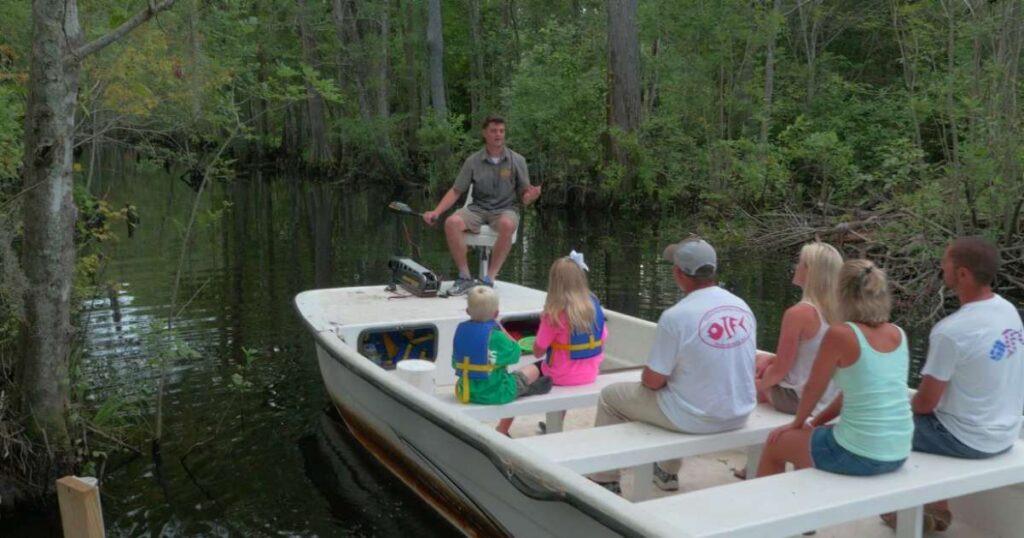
637, 445
559, 399
791, 503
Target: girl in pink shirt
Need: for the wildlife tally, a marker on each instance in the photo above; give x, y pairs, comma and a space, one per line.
572, 329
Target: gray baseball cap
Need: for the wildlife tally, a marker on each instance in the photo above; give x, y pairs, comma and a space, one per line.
694, 256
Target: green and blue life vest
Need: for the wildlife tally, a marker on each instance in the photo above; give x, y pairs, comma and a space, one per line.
470, 352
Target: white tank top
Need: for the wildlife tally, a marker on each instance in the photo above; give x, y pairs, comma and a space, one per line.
798, 375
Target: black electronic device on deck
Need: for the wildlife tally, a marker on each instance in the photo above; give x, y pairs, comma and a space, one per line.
413, 277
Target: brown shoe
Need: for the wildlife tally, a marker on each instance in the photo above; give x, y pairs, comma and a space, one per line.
935, 520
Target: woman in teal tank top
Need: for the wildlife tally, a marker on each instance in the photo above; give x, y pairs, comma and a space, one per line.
867, 358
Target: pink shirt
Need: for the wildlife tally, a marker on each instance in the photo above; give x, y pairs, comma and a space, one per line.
561, 369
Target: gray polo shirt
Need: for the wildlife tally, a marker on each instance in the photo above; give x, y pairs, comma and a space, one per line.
495, 186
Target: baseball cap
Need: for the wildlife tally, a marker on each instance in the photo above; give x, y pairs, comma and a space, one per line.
694, 256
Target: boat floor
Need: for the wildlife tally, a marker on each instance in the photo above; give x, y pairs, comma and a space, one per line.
716, 469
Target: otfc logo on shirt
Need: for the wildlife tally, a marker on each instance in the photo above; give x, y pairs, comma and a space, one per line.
1007, 345
725, 327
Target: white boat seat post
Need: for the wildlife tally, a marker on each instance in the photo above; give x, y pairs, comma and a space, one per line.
483, 241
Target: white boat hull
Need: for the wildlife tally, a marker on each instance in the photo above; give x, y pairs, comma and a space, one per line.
487, 484
481, 481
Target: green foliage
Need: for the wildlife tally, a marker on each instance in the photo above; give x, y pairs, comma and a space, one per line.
11, 110
238, 380
95, 217
556, 107
442, 144
868, 97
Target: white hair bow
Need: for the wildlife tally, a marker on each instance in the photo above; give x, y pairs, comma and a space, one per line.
577, 258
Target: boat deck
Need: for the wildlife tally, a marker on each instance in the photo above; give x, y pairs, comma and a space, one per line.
373, 305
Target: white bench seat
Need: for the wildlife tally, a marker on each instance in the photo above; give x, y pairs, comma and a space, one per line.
633, 443
791, 503
559, 399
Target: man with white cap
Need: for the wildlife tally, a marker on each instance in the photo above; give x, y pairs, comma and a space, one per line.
699, 377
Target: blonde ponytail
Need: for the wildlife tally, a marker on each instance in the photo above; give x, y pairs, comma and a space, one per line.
864, 293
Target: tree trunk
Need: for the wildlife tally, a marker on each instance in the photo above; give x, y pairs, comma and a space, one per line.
435, 47
412, 92
348, 37
810, 25
49, 215
624, 72
909, 69
476, 64
951, 113
624, 63
383, 110
512, 23
650, 96
316, 112
769, 74
195, 51
262, 109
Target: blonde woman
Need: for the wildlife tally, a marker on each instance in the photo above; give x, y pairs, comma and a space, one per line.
781, 376
572, 330
867, 358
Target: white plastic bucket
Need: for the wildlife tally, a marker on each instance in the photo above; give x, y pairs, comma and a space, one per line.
418, 373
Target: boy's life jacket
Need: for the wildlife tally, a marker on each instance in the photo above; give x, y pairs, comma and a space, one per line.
584, 345
402, 345
470, 349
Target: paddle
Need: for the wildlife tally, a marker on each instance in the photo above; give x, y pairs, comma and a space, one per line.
403, 208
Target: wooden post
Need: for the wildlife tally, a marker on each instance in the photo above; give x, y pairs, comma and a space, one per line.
80, 511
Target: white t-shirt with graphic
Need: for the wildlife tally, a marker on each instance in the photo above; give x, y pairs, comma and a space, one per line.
979, 351
706, 345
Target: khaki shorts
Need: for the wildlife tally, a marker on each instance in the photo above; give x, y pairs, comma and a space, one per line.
474, 219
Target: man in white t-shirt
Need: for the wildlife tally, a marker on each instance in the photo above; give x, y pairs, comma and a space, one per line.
699, 377
971, 396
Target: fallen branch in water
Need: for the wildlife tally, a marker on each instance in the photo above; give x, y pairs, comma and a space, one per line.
907, 245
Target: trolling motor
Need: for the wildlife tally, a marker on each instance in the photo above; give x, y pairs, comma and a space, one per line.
406, 272
413, 277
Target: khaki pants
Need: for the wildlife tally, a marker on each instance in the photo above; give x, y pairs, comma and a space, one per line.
632, 402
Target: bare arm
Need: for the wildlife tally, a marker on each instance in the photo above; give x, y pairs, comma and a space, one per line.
652, 380
796, 323
447, 201
839, 344
929, 392
530, 194
829, 413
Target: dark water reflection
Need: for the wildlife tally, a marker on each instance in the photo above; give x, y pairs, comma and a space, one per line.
266, 460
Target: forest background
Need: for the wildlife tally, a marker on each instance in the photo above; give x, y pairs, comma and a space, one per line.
887, 126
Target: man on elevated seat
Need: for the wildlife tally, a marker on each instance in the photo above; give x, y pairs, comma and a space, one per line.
971, 395
498, 175
700, 374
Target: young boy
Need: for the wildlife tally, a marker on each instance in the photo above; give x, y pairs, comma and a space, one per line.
482, 350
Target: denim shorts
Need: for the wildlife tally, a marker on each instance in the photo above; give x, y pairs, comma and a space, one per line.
828, 455
932, 437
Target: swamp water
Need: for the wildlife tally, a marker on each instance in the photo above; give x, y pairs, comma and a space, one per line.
250, 446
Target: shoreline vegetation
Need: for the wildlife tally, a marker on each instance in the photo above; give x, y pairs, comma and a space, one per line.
884, 127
